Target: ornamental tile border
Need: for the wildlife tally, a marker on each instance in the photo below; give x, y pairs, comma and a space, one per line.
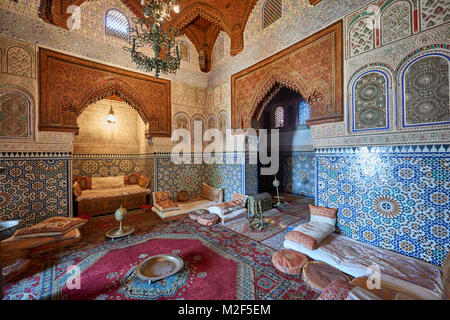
392, 197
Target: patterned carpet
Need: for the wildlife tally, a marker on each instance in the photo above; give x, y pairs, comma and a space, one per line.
280, 222
276, 241
219, 264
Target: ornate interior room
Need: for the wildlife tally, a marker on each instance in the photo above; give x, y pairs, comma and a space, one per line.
352, 97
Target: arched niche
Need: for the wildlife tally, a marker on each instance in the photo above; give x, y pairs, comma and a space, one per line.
126, 135
424, 83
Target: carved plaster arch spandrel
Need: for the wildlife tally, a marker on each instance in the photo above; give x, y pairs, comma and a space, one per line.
313, 67
275, 77
68, 85
111, 87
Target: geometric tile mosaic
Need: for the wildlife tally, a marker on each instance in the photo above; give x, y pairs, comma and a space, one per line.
229, 176
232, 177
35, 187
425, 83
397, 198
371, 101
297, 173
104, 167
173, 178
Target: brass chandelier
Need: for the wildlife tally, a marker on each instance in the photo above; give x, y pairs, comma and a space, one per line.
148, 31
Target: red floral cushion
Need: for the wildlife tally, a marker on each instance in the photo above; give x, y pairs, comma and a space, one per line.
183, 196
84, 182
167, 205
143, 181
132, 178
336, 290
76, 189
160, 196
319, 275
239, 197
210, 193
208, 219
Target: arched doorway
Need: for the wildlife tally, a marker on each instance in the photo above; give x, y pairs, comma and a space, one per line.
287, 111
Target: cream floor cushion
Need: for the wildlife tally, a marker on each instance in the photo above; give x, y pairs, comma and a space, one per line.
107, 182
317, 230
112, 192
185, 207
401, 273
233, 215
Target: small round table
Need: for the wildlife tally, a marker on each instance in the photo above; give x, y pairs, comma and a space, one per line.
118, 233
289, 261
319, 274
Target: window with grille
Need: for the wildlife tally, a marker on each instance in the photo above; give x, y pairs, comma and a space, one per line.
117, 25
304, 113
279, 117
272, 10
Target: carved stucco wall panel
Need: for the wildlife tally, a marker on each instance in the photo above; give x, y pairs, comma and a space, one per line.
313, 63
69, 84
18, 58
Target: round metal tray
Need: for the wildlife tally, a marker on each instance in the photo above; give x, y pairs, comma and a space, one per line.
7, 228
159, 267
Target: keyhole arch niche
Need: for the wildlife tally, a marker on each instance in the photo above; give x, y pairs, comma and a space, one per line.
98, 136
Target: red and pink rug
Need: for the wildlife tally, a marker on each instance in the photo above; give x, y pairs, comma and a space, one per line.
219, 264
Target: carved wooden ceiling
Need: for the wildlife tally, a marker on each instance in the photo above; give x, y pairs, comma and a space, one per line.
200, 20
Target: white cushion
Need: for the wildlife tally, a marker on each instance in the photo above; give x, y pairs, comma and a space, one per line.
315, 229
184, 208
233, 215
348, 260
226, 207
107, 182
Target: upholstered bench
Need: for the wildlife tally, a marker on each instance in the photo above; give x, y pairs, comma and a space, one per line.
101, 195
